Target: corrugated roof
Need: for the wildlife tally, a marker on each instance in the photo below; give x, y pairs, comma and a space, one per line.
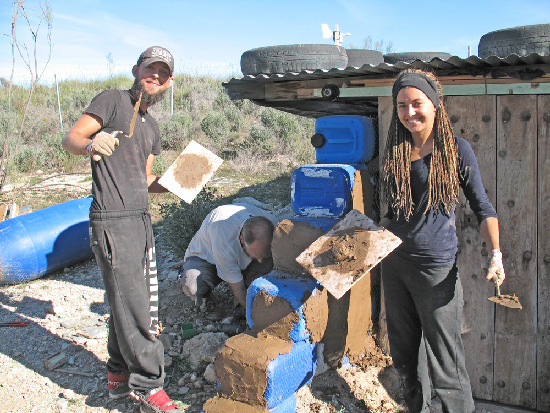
289, 91
455, 65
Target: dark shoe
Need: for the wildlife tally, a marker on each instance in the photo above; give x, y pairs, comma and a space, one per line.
156, 401
117, 384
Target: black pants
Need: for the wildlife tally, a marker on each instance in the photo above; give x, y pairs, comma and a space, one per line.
424, 317
123, 245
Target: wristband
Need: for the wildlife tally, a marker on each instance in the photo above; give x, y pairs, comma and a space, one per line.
89, 149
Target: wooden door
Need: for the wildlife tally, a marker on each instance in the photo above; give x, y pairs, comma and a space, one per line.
543, 336
474, 119
515, 331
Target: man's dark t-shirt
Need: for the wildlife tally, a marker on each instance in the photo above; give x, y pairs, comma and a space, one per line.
119, 180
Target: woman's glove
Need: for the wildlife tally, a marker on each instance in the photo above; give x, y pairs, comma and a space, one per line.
495, 270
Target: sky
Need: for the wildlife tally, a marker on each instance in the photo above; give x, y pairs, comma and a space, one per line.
94, 39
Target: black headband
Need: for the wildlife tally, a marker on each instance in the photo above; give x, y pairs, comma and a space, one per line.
418, 81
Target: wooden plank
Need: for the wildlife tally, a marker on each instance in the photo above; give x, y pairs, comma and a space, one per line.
474, 119
515, 330
452, 90
543, 337
385, 109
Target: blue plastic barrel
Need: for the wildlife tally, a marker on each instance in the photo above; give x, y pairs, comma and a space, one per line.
344, 139
290, 372
43, 241
322, 190
287, 406
292, 289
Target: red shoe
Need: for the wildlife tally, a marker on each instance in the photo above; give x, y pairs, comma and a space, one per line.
118, 385
156, 401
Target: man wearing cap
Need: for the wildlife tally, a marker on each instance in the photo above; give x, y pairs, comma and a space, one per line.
121, 234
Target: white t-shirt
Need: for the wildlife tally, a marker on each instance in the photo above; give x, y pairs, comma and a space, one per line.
217, 240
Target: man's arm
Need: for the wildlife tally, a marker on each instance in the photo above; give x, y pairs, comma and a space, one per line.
152, 180
79, 141
80, 135
239, 291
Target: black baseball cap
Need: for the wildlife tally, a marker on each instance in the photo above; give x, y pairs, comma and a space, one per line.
157, 54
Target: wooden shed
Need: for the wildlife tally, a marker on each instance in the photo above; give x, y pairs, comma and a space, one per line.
502, 107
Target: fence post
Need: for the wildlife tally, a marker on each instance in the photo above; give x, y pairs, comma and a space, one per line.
58, 102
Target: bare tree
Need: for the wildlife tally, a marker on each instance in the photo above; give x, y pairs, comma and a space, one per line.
378, 45
28, 53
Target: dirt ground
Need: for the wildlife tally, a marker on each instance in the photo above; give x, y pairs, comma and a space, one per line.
68, 313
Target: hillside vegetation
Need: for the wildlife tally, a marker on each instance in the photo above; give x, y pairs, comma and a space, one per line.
202, 111
260, 146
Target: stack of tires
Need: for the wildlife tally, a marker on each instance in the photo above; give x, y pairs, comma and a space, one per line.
299, 57
521, 41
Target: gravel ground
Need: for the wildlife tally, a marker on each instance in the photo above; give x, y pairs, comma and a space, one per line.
68, 316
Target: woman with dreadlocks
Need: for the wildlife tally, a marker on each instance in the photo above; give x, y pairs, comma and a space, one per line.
424, 166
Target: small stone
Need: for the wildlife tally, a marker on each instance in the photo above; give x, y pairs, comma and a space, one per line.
68, 394
210, 374
181, 382
183, 390
210, 328
167, 361
62, 404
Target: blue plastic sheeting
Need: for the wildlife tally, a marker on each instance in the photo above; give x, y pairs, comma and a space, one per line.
289, 372
349, 139
291, 288
287, 406
43, 241
322, 190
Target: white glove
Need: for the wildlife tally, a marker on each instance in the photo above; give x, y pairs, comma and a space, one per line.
102, 144
188, 285
495, 270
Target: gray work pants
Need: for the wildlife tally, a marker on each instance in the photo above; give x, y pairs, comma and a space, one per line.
424, 318
122, 242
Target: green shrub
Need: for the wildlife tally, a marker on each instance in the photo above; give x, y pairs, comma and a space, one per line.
215, 126
175, 130
181, 221
234, 116
29, 158
284, 125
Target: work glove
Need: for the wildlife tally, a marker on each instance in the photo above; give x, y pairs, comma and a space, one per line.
103, 144
495, 270
188, 285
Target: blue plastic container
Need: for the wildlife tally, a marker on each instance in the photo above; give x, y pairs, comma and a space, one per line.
344, 139
287, 406
43, 241
289, 372
322, 190
292, 289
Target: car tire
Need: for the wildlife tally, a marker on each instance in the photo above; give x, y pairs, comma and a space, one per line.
360, 57
293, 58
409, 57
521, 40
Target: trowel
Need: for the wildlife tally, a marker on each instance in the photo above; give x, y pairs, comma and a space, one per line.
349, 250
510, 301
191, 170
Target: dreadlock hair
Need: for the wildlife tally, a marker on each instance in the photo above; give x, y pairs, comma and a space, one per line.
443, 177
